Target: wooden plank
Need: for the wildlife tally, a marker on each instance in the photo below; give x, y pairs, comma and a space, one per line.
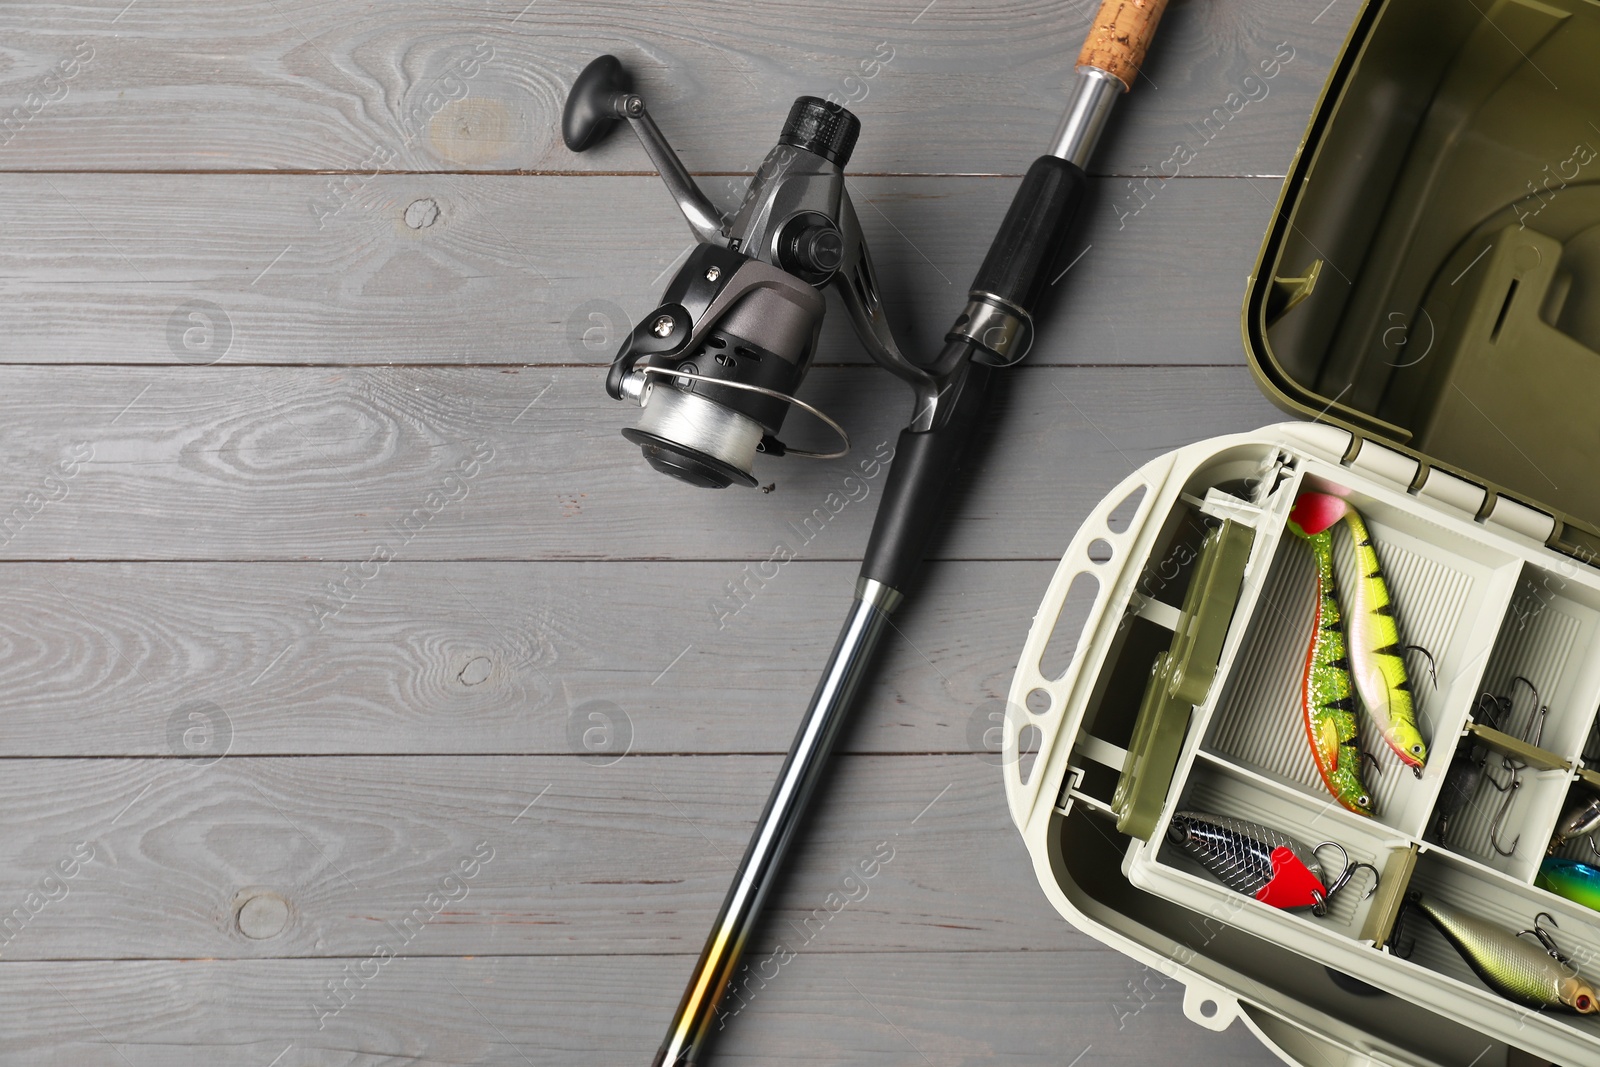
452, 269
486, 658
431, 463
308, 84
939, 1008
561, 856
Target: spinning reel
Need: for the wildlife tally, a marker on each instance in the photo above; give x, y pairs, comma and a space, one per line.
715, 368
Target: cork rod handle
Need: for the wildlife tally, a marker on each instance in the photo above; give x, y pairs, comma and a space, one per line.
1120, 36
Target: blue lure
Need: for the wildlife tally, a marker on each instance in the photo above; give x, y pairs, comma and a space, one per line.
1576, 881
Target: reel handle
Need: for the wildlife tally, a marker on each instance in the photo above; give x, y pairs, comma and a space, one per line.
601, 94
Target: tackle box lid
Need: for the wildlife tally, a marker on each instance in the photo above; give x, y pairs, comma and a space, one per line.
1431, 279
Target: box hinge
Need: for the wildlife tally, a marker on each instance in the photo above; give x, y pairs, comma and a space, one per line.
1518, 518
1441, 487
1384, 463
1576, 542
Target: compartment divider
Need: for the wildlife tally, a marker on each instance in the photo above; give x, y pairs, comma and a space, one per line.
1330, 816
1268, 529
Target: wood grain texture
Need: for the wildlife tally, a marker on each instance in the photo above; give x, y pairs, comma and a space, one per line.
435, 463
305, 459
350, 87
627, 858
454, 269
458, 658
943, 1009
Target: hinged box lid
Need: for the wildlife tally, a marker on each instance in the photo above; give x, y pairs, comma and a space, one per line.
1431, 280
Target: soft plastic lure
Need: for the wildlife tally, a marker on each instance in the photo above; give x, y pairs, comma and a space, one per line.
1532, 973
1326, 696
1576, 881
1377, 657
1260, 862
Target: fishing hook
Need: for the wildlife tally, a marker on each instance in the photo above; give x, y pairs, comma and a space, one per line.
1495, 782
1394, 942
1533, 736
1346, 872
1433, 668
1536, 722
1505, 809
1485, 702
1545, 938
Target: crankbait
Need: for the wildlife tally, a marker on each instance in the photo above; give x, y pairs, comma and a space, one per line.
1325, 692
1576, 881
1580, 820
1260, 862
1377, 658
1535, 975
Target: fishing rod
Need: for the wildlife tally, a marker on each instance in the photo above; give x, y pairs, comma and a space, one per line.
715, 367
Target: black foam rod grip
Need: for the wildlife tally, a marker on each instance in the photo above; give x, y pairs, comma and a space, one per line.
924, 471
1023, 253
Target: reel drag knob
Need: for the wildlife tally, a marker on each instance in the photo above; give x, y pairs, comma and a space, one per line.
818, 126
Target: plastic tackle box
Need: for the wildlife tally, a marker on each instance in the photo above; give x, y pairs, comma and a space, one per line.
1429, 301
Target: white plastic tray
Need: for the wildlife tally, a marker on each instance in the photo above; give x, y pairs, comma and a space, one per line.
1486, 600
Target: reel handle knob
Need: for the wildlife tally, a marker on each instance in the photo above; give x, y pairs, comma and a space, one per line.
592, 105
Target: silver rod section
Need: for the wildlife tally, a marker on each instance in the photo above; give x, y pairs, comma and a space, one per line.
808, 756
704, 219
1094, 94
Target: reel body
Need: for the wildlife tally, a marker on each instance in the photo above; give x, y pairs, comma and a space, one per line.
716, 366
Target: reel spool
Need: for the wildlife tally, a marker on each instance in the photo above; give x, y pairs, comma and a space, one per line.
716, 366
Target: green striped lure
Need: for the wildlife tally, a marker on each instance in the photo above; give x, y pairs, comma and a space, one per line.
1327, 696
1376, 652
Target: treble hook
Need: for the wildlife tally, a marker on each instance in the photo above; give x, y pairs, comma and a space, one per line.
1505, 809
1545, 938
1346, 872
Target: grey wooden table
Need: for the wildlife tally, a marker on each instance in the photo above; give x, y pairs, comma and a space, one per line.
306, 465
